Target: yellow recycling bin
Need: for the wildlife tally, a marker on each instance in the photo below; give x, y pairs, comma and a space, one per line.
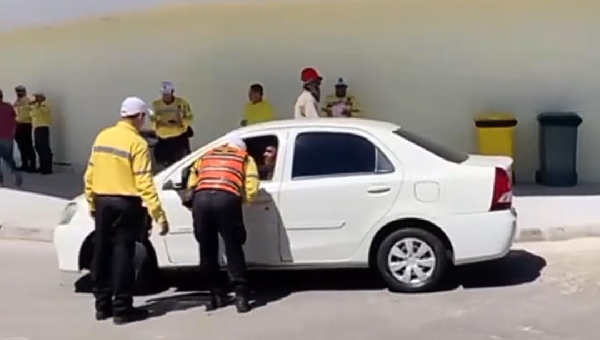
495, 134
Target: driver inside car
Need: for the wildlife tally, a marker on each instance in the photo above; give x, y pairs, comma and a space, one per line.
265, 171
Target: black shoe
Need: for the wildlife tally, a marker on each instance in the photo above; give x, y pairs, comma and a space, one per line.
242, 304
31, 170
103, 315
216, 302
45, 172
132, 315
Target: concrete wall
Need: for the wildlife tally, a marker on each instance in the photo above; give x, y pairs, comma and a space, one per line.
429, 65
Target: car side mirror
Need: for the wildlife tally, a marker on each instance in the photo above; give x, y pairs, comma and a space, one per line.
169, 185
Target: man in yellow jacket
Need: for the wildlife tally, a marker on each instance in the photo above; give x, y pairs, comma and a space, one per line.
258, 109
41, 117
172, 120
341, 103
118, 183
24, 130
223, 179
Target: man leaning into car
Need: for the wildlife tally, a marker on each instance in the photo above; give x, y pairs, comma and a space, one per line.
222, 180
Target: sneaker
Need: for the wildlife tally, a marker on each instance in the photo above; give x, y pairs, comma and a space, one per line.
216, 302
103, 315
242, 305
132, 315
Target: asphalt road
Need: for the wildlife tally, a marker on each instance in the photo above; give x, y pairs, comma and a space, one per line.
547, 291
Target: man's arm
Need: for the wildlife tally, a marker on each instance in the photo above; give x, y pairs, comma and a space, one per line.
88, 183
187, 118
252, 182
355, 109
193, 178
144, 182
13, 120
245, 115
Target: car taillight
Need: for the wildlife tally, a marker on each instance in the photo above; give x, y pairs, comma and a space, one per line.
502, 195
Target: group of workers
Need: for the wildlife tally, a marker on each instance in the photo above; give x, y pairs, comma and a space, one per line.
121, 193
338, 104
26, 122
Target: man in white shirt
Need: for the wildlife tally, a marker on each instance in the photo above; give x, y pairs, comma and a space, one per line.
307, 104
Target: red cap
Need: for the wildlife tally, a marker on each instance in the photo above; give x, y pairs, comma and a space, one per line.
309, 74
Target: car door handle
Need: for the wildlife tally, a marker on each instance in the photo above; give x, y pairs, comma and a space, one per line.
378, 190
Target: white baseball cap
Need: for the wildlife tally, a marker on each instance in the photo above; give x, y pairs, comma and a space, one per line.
167, 87
133, 106
234, 139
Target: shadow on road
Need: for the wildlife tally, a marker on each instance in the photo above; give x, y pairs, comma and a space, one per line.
518, 267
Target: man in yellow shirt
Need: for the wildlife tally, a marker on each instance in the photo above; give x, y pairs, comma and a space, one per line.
258, 109
222, 180
41, 119
118, 183
341, 103
24, 130
172, 120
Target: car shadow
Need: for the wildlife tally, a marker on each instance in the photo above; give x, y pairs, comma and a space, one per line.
516, 268
189, 290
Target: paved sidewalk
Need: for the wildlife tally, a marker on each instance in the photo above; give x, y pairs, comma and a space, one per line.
32, 211
544, 214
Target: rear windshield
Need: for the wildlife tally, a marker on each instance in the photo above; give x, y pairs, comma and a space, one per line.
433, 147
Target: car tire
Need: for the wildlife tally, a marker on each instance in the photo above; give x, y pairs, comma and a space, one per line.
148, 278
419, 269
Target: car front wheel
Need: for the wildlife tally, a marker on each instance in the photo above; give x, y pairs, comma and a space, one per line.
412, 260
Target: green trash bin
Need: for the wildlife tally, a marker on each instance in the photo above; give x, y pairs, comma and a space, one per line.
558, 134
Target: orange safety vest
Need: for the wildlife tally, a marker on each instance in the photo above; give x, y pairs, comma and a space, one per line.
222, 168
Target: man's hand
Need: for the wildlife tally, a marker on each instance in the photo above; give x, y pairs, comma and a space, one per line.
163, 228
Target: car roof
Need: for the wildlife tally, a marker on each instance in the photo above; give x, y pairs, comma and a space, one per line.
342, 122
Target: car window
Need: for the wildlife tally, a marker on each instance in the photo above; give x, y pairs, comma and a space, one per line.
264, 150
330, 153
433, 147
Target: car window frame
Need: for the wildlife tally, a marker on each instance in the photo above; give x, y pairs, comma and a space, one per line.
291, 149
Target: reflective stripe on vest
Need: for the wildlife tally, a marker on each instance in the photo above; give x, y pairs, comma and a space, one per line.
222, 169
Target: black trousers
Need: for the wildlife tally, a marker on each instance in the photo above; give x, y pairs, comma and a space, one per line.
170, 150
220, 212
119, 223
24, 139
41, 137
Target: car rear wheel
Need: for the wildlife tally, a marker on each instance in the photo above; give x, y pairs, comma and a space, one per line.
412, 260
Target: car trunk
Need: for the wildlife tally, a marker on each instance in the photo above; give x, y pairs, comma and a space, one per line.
502, 162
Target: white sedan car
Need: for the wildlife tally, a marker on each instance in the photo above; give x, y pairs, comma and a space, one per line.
343, 193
